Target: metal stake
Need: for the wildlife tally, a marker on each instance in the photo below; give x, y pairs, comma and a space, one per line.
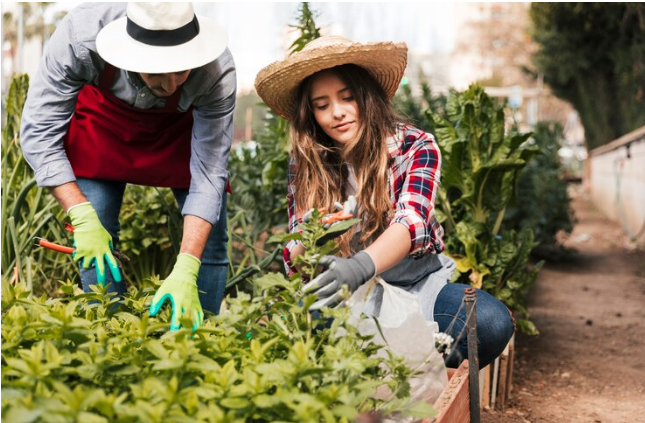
470, 298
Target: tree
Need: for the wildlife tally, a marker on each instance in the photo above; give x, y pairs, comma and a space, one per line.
593, 55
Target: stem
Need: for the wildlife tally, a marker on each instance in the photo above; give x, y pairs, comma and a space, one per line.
480, 215
498, 221
447, 209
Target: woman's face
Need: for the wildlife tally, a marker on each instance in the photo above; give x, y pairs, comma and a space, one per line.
334, 106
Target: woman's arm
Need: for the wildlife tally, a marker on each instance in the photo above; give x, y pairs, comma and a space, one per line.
390, 248
295, 251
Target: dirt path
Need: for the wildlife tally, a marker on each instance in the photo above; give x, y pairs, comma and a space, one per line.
588, 364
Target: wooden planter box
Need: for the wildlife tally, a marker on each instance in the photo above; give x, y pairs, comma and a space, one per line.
453, 404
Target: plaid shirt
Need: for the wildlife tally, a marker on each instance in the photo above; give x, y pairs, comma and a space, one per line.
415, 168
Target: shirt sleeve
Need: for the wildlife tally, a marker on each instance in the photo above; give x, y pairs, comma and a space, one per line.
211, 141
415, 207
293, 219
51, 101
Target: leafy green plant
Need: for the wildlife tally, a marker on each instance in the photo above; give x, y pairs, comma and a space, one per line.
481, 163
28, 211
413, 107
151, 229
87, 357
306, 26
542, 202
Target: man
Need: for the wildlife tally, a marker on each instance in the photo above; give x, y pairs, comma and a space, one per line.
142, 95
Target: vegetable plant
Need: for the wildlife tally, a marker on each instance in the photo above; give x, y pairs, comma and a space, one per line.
91, 357
481, 164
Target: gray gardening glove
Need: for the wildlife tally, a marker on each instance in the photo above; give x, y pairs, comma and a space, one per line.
353, 272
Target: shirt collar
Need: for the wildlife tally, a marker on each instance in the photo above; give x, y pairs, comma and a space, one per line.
135, 79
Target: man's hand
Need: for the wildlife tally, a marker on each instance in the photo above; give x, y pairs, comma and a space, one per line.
352, 272
180, 287
93, 243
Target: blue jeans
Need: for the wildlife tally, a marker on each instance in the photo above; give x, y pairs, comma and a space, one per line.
495, 324
107, 197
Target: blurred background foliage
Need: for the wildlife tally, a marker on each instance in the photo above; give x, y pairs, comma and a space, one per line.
593, 55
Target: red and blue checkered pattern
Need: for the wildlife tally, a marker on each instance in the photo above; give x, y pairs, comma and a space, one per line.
415, 168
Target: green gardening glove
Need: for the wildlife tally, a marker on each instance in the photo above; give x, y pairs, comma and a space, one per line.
93, 243
181, 288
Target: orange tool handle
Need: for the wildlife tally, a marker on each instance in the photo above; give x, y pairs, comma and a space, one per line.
55, 247
336, 217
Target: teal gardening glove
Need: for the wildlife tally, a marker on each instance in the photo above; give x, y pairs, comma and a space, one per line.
181, 288
93, 243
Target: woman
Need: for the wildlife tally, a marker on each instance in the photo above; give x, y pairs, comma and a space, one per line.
347, 140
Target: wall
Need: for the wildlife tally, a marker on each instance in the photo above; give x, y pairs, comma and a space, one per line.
616, 178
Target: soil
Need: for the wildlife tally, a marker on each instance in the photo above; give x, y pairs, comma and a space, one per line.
588, 363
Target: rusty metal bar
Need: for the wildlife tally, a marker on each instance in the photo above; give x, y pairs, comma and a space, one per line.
470, 298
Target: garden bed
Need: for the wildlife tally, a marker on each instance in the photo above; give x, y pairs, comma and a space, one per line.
453, 405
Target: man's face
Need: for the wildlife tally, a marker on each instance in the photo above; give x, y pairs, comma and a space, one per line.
164, 84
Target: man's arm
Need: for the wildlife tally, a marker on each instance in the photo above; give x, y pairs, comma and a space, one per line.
196, 232
68, 195
210, 146
50, 104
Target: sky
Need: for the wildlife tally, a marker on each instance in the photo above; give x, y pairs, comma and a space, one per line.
257, 31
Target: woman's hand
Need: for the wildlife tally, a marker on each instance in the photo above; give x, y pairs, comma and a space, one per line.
351, 272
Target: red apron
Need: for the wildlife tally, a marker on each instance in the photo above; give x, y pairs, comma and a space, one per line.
108, 139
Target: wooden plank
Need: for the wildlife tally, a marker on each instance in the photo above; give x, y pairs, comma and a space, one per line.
493, 386
511, 361
503, 376
453, 404
485, 401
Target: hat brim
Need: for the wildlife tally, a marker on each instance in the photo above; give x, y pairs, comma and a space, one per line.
115, 46
277, 84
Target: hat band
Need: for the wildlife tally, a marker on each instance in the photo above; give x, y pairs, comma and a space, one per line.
163, 37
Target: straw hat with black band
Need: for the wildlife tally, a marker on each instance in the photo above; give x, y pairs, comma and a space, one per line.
277, 84
161, 38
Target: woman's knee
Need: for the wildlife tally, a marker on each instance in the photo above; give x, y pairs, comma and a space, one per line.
495, 327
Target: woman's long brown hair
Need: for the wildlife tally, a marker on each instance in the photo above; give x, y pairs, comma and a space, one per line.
321, 174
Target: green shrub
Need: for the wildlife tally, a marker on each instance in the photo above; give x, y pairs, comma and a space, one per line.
85, 357
481, 163
542, 202
28, 211
151, 231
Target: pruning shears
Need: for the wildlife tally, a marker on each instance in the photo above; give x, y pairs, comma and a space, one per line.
339, 216
344, 212
42, 242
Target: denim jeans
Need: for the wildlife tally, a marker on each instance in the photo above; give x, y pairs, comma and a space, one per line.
495, 324
107, 197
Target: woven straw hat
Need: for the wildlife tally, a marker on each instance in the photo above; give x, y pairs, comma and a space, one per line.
277, 84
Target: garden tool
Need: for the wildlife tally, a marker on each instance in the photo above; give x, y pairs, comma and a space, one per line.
42, 242
344, 211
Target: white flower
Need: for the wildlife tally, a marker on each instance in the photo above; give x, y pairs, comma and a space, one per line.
443, 343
